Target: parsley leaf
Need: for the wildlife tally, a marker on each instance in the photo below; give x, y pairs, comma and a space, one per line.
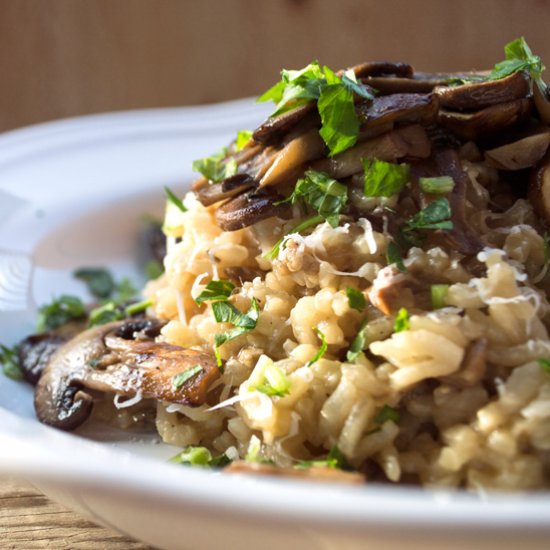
402, 320
387, 413
59, 312
359, 342
216, 290
518, 57
323, 193
174, 199
394, 256
276, 382
225, 312
437, 186
99, 280
384, 179
179, 379
215, 168
356, 298
322, 349
243, 137
9, 360
153, 269
335, 459
435, 216
137, 307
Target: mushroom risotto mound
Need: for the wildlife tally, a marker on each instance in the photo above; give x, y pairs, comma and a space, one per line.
364, 281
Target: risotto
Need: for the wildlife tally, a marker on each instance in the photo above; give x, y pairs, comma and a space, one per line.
363, 280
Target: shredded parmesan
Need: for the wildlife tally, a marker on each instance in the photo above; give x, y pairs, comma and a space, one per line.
128, 403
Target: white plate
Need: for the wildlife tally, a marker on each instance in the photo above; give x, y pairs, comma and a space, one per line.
71, 193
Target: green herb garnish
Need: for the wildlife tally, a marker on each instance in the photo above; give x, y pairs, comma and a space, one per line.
544, 364
387, 413
225, 312
402, 320
200, 456
384, 179
356, 299
335, 459
173, 212
518, 57
138, 307
216, 290
215, 168
172, 198
322, 193
179, 379
438, 186
243, 137
107, 313
62, 310
435, 216
9, 360
153, 269
322, 349
359, 342
439, 295
99, 280
394, 256
276, 381
335, 101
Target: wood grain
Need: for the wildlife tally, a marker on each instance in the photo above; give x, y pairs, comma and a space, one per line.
62, 58
30, 521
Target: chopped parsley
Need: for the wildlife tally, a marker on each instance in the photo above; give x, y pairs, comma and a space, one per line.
384, 179
179, 379
437, 215
59, 312
243, 137
387, 413
9, 360
335, 101
544, 365
216, 290
215, 168
99, 280
439, 295
440, 185
174, 209
335, 459
225, 312
276, 382
117, 308
200, 456
322, 349
518, 57
356, 298
153, 269
322, 193
402, 320
394, 256
359, 342
302, 226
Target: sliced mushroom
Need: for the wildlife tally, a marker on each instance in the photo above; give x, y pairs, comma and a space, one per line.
104, 359
398, 108
461, 236
315, 473
486, 122
276, 127
378, 68
391, 290
473, 366
248, 209
539, 189
34, 353
520, 154
305, 148
407, 141
476, 95
542, 101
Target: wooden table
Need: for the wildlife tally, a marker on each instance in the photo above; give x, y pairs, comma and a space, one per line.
29, 521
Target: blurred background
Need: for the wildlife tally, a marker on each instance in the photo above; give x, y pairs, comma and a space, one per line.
62, 58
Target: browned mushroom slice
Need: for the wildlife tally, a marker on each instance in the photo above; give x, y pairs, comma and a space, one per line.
107, 359
276, 127
391, 290
248, 209
378, 68
389, 147
216, 192
524, 153
34, 353
539, 189
476, 95
398, 108
542, 101
472, 368
304, 148
315, 473
461, 236
488, 121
